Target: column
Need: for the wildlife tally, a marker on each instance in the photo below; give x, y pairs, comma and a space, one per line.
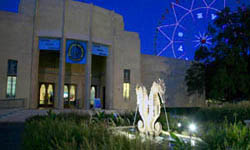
32, 102
89, 60
110, 68
60, 101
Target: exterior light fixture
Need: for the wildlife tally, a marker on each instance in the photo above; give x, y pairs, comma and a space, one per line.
192, 127
179, 124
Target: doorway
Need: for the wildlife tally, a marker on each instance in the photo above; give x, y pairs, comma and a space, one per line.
98, 81
69, 96
46, 95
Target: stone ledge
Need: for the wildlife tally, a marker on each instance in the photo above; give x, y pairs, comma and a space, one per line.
12, 103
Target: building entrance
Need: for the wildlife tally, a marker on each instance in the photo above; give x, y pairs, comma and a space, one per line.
69, 96
46, 95
98, 81
48, 74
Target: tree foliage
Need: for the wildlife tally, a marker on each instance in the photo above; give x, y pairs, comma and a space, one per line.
223, 70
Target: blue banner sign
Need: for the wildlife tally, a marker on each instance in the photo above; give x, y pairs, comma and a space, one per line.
97, 103
76, 52
49, 44
100, 50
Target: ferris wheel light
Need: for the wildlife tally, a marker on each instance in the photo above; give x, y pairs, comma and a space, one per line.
181, 35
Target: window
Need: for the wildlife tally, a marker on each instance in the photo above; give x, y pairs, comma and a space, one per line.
42, 94
66, 93
50, 92
69, 94
126, 84
72, 93
11, 79
92, 96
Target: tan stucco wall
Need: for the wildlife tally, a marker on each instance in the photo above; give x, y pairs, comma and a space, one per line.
128, 57
172, 71
107, 28
15, 41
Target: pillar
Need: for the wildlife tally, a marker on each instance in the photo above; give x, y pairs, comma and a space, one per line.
110, 69
60, 101
89, 62
32, 102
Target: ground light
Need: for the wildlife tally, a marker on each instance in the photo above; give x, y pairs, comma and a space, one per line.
192, 127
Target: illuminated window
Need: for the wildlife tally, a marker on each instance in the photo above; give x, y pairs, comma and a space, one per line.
126, 90
72, 93
50, 94
126, 84
66, 93
92, 96
11, 79
69, 94
42, 94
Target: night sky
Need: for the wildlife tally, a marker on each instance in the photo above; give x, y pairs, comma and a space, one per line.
143, 16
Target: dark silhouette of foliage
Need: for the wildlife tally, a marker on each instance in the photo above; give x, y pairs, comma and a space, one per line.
223, 71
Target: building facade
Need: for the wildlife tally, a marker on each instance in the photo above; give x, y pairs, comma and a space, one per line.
68, 54
172, 72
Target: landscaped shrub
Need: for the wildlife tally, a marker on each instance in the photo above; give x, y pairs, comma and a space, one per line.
180, 144
231, 136
114, 119
70, 131
180, 111
218, 115
73, 131
214, 114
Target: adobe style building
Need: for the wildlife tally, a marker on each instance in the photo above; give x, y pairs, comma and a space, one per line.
68, 54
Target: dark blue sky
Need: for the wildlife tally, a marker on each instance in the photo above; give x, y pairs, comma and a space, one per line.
141, 16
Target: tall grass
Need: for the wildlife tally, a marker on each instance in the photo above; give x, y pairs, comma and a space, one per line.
76, 132
226, 136
73, 132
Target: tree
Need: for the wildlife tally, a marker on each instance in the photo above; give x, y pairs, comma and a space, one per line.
223, 70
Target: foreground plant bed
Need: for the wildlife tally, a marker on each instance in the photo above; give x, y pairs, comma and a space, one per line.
72, 131
57, 132
232, 136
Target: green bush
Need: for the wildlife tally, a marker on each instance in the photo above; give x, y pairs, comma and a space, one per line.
214, 114
114, 119
218, 115
180, 111
231, 136
180, 144
71, 131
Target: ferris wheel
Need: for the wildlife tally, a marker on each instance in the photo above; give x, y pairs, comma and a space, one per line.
184, 28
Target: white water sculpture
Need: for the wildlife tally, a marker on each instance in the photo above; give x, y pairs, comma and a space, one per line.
150, 107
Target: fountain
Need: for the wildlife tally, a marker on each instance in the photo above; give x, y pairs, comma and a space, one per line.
149, 107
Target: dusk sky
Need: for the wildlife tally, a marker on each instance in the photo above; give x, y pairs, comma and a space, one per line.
142, 16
